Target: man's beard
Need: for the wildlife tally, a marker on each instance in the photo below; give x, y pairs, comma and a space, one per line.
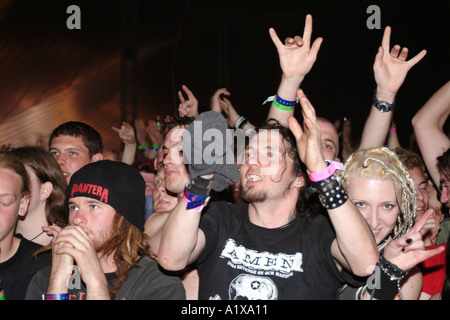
253, 197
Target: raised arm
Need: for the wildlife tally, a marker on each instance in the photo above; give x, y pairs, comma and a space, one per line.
354, 247
390, 70
126, 133
428, 126
188, 107
182, 240
297, 57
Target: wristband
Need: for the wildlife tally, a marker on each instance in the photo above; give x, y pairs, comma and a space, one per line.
143, 147
2, 292
327, 172
390, 278
282, 107
57, 296
193, 201
240, 122
331, 193
286, 103
383, 106
155, 147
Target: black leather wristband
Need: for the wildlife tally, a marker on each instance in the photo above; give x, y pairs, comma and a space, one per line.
200, 186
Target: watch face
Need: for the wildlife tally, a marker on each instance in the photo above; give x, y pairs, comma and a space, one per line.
382, 107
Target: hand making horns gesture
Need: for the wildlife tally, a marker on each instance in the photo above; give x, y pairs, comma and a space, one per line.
297, 56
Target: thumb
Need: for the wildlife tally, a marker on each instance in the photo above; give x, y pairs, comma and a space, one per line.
379, 56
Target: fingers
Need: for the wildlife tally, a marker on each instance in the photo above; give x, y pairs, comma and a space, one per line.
297, 41
385, 42
421, 222
395, 51
411, 242
379, 57
429, 253
181, 97
188, 92
295, 128
276, 41
51, 230
316, 46
417, 58
308, 111
307, 32
74, 236
403, 54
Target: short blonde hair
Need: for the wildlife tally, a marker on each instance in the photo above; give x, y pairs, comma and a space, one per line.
382, 163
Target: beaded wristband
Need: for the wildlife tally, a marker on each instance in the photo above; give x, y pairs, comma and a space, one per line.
57, 296
331, 193
390, 274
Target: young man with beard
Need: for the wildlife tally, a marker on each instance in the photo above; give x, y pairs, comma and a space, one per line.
105, 239
269, 247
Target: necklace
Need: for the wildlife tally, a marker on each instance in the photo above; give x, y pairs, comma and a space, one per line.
37, 235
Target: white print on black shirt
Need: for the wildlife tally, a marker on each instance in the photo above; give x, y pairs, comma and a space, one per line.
257, 285
261, 263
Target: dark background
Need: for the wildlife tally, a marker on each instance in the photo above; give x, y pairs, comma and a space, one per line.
50, 74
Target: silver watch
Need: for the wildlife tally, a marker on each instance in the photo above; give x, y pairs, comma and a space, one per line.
383, 106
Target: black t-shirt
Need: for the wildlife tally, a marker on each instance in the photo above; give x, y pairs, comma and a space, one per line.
244, 261
17, 272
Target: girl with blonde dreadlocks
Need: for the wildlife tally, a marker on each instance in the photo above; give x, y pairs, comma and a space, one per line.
383, 191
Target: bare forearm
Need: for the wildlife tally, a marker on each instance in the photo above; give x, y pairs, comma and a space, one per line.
377, 126
288, 91
428, 123
355, 246
435, 111
129, 153
98, 290
179, 238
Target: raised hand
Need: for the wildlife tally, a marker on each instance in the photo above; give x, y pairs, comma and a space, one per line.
227, 107
409, 250
188, 107
216, 99
308, 138
391, 67
153, 132
297, 56
141, 131
126, 133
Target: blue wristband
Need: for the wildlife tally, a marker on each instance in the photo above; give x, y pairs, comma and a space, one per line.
193, 201
286, 103
56, 296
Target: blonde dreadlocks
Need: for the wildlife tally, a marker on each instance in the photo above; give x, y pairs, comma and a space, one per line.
382, 163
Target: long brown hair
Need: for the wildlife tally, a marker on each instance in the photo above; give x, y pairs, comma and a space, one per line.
127, 243
46, 169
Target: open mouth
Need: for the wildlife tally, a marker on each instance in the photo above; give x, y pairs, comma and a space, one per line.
253, 178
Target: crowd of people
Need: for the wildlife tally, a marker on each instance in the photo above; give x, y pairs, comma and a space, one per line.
300, 211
